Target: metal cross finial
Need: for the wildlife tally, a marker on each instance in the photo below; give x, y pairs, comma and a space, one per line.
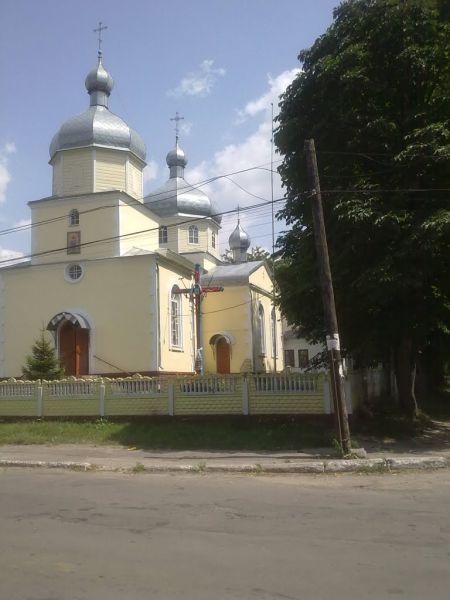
99, 30
177, 119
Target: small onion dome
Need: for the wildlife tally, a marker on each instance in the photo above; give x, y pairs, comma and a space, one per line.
239, 239
178, 197
176, 157
99, 80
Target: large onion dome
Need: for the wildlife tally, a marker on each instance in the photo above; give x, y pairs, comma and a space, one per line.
177, 196
98, 126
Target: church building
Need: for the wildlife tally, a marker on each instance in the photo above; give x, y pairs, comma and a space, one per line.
125, 283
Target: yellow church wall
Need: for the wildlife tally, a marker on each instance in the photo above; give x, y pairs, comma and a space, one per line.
119, 292
57, 174
228, 312
183, 237
261, 284
75, 172
136, 218
261, 278
98, 221
175, 359
265, 361
135, 180
110, 170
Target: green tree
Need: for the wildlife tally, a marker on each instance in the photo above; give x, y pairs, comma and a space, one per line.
255, 253
43, 362
374, 93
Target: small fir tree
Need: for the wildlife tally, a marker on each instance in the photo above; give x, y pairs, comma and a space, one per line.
43, 362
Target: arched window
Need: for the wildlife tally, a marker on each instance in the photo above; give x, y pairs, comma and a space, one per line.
74, 217
193, 234
273, 326
262, 329
163, 237
176, 340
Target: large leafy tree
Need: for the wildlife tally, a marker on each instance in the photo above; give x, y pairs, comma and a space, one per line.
374, 93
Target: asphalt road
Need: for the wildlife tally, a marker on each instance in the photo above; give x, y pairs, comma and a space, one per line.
77, 536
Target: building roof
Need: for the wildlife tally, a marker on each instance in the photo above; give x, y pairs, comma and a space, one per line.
230, 274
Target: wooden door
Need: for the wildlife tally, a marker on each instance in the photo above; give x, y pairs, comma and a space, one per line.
74, 349
223, 356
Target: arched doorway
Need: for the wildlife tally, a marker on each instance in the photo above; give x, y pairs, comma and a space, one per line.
221, 344
72, 340
74, 349
223, 355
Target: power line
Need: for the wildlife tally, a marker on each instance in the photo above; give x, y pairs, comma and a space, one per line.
139, 201
136, 233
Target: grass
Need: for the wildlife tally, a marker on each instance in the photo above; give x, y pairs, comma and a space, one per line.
174, 434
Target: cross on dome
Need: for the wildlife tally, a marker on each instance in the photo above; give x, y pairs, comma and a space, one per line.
177, 119
99, 30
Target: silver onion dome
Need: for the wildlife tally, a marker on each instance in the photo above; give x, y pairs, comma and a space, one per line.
177, 196
98, 126
239, 239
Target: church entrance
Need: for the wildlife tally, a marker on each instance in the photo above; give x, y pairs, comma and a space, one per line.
222, 356
71, 333
74, 349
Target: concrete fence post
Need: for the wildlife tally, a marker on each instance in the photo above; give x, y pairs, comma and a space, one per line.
102, 390
171, 399
245, 396
39, 403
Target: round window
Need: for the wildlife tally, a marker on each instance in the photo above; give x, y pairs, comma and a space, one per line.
74, 272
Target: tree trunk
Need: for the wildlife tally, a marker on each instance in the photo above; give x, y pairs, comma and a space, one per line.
405, 376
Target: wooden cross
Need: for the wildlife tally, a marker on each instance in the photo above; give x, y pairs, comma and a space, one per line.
99, 31
177, 119
197, 293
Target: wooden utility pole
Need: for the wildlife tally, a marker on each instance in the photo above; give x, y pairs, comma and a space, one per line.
326, 283
197, 293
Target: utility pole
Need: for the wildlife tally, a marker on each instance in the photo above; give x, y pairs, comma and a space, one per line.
326, 283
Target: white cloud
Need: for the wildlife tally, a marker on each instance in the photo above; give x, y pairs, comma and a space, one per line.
10, 257
277, 86
151, 171
199, 82
23, 223
186, 127
5, 175
253, 151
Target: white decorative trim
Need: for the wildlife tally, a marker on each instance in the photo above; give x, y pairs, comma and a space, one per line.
94, 170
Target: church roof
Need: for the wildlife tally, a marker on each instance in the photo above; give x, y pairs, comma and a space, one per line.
178, 197
98, 126
230, 274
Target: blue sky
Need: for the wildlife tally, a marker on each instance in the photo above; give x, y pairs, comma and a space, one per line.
220, 63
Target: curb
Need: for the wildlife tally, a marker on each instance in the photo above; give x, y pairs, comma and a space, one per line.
311, 467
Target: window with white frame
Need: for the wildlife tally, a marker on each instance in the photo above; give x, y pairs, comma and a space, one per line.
176, 340
163, 236
213, 240
193, 234
262, 329
74, 217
